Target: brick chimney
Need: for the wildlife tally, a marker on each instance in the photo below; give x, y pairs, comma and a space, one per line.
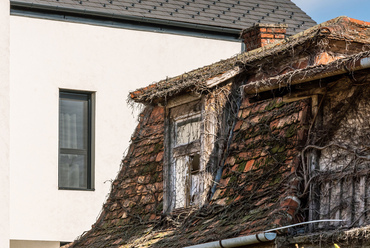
263, 34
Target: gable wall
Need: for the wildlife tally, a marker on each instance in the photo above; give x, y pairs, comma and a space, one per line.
342, 145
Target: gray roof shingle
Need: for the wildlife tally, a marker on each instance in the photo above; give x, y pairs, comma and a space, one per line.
218, 13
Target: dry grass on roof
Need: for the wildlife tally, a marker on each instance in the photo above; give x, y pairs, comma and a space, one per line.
196, 80
305, 74
171, 86
198, 77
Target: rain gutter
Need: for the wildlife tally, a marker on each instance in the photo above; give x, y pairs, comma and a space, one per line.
275, 83
239, 241
265, 236
125, 17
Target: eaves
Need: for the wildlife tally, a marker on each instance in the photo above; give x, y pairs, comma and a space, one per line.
29, 9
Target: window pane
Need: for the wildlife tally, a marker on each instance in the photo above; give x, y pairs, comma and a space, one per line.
194, 190
187, 131
181, 172
73, 171
186, 184
73, 124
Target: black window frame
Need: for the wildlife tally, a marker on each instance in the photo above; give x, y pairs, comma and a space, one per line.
88, 97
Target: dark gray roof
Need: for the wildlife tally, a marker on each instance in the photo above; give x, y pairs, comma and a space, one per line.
229, 14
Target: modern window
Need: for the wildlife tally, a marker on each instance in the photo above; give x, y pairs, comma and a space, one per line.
75, 141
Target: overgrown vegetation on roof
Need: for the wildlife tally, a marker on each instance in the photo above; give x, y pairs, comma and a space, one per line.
265, 174
196, 80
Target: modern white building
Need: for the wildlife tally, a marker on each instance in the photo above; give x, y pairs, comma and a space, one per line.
66, 68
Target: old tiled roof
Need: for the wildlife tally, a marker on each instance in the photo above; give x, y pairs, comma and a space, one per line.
257, 190
340, 28
260, 185
229, 14
135, 203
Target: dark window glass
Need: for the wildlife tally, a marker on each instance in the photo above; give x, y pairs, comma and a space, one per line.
75, 141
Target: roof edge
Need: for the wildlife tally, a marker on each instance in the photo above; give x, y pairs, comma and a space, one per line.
340, 66
125, 17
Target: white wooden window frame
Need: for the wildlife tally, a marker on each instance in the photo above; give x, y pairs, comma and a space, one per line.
190, 193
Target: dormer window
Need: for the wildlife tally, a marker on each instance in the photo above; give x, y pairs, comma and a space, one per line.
192, 149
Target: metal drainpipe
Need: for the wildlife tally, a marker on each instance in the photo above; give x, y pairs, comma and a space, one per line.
359, 64
364, 63
239, 241
256, 238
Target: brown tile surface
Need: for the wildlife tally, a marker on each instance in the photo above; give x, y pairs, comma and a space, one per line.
255, 193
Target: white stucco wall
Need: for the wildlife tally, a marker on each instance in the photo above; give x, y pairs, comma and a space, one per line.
48, 55
4, 123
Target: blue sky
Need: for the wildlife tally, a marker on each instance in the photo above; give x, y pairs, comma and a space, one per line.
324, 10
